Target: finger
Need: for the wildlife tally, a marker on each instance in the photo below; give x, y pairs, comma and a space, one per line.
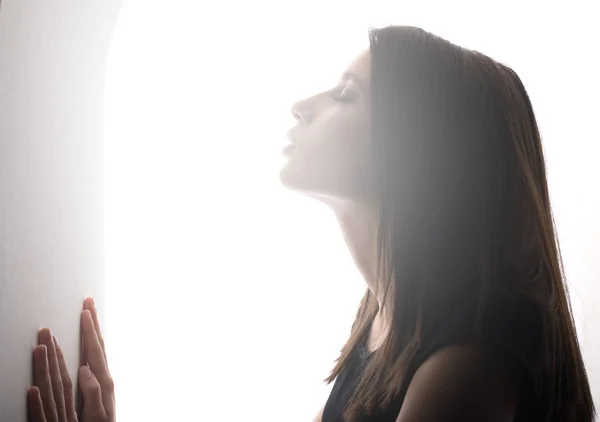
107, 384
93, 407
45, 337
69, 393
82, 361
42, 381
35, 408
91, 306
95, 358
93, 349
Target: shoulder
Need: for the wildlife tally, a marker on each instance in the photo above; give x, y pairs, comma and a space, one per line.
463, 382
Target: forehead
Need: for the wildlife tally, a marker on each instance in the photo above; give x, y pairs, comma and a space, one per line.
361, 66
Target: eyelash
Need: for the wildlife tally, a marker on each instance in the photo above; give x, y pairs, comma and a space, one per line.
344, 98
341, 95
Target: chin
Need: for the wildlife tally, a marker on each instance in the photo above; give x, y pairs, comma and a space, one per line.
299, 173
290, 179
299, 182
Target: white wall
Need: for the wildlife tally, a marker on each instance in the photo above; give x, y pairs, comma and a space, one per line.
228, 297
52, 57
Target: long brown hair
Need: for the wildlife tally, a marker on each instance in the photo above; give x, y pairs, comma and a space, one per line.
463, 208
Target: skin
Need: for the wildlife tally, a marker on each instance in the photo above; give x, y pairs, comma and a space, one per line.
461, 382
329, 164
51, 398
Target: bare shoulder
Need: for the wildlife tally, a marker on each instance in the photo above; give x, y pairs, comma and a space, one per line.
463, 382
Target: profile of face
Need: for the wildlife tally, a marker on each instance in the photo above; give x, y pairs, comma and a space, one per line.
329, 153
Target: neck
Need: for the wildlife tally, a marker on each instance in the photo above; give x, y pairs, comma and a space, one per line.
358, 223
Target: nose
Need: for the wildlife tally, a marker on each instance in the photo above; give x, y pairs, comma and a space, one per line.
302, 112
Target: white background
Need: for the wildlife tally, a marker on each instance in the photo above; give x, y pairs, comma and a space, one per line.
229, 297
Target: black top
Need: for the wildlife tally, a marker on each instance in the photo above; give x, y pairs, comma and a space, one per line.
509, 324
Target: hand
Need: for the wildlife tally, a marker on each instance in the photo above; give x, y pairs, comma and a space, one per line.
51, 399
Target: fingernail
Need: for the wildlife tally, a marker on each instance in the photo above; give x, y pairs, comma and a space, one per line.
85, 372
42, 333
55, 340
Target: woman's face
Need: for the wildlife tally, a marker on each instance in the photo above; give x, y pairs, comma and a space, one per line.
330, 153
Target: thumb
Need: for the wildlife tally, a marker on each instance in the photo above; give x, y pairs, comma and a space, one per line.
92, 395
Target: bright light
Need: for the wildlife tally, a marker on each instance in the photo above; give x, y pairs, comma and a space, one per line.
228, 296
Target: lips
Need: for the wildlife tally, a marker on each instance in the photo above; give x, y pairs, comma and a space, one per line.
290, 135
289, 148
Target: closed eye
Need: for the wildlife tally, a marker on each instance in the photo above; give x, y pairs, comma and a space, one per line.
345, 92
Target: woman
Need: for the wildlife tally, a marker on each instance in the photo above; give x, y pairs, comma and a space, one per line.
430, 156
